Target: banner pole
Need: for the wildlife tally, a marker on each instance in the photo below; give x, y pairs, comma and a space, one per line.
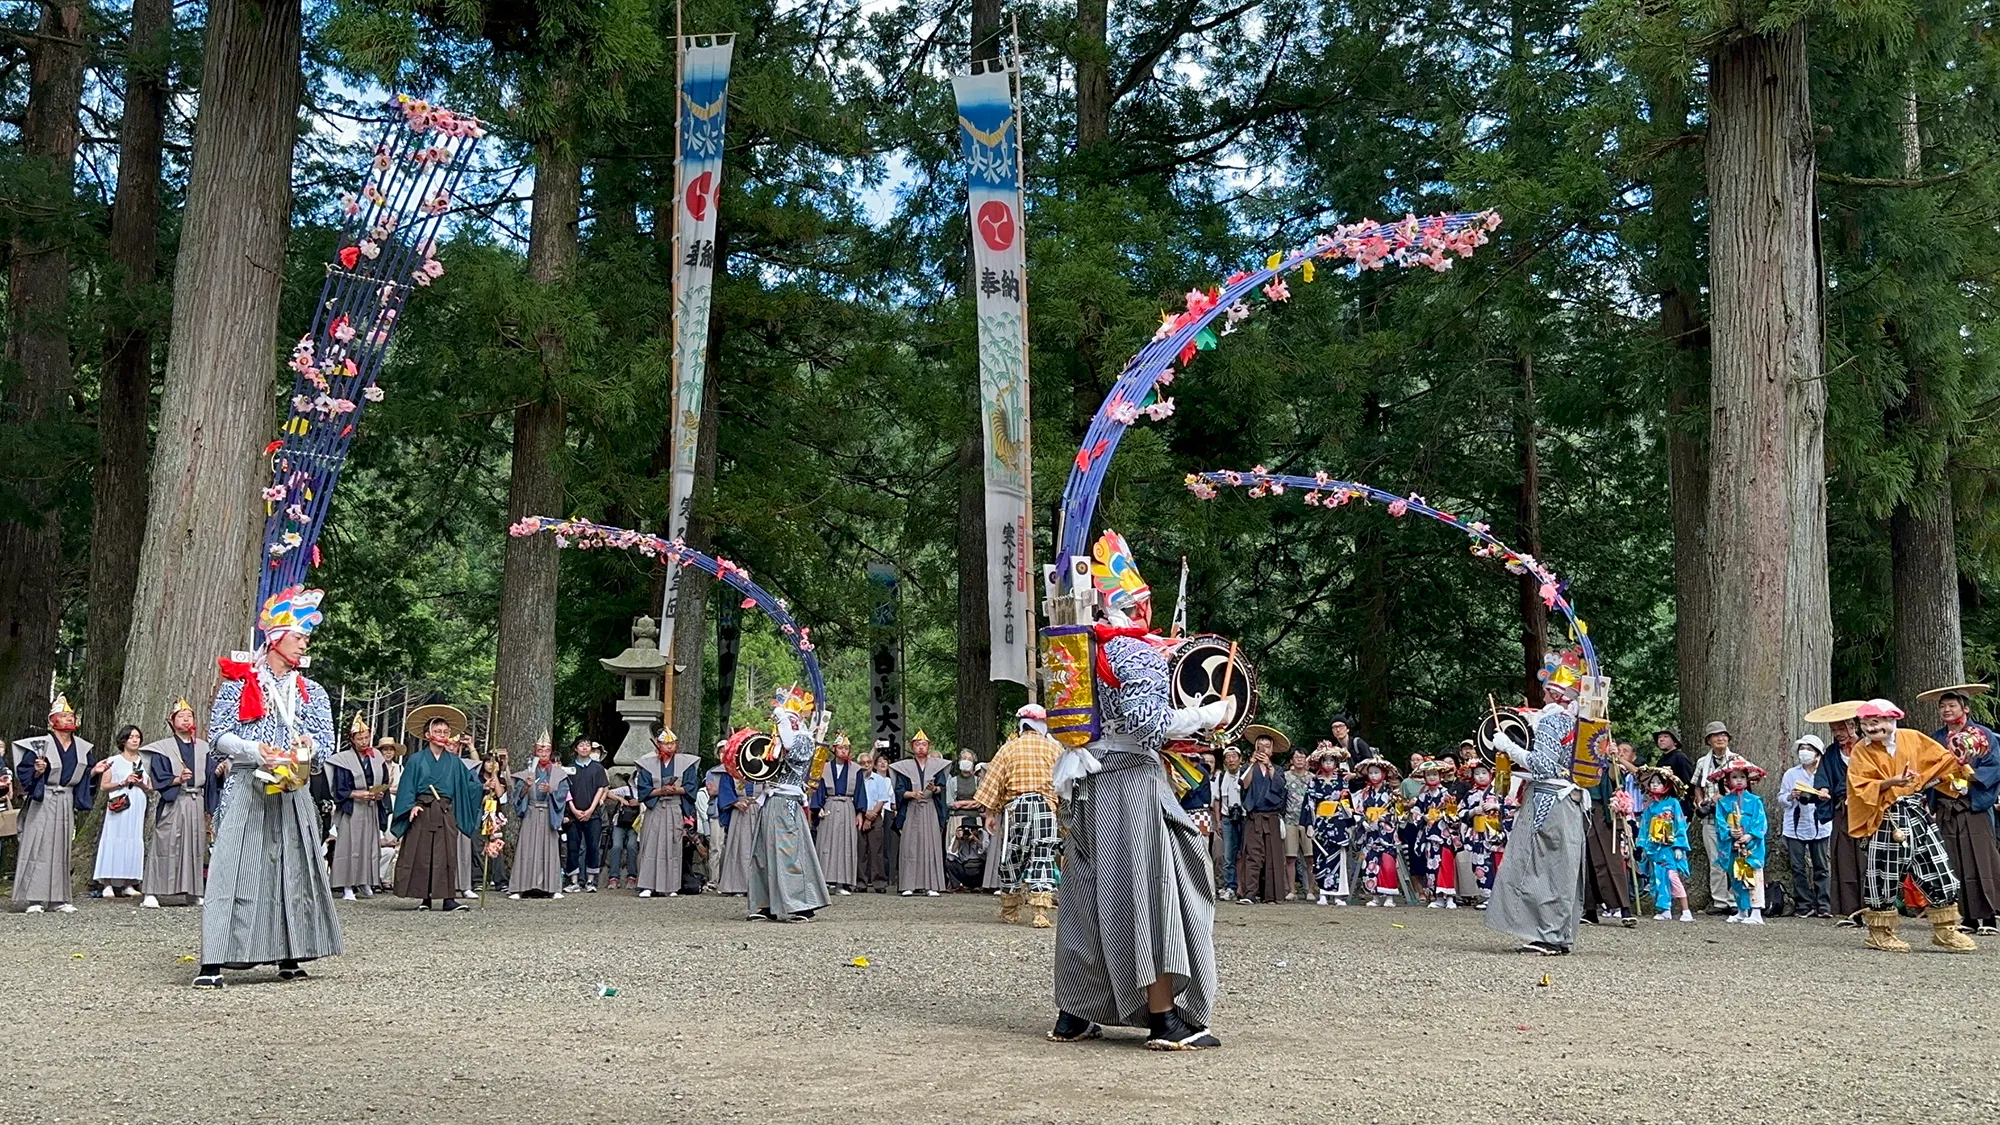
1027, 383
670, 587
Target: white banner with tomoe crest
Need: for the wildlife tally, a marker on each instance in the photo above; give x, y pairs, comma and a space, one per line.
990, 126
704, 101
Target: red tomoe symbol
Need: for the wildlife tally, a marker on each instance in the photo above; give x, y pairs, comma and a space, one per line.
697, 195
996, 224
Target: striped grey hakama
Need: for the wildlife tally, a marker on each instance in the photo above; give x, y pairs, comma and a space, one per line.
42, 865
268, 895
660, 851
837, 837
1538, 891
179, 849
357, 831
48, 824
663, 826
537, 854
784, 865
736, 845
177, 855
1138, 895
919, 824
538, 860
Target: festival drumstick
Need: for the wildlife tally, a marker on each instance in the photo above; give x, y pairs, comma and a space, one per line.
1229, 670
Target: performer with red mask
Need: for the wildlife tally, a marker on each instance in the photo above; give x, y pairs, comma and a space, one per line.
1886, 779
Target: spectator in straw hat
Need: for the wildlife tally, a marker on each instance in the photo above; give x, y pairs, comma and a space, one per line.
1829, 802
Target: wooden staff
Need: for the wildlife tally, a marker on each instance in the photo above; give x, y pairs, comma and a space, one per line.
1229, 670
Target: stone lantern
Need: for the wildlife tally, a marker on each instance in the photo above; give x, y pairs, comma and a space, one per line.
648, 697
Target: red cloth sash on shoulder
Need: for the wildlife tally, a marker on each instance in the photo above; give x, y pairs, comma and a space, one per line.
250, 707
1106, 633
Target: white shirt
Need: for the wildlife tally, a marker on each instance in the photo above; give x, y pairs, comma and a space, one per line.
1704, 789
1801, 822
1229, 789
881, 790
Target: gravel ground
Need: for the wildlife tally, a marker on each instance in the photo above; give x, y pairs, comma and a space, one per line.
1375, 1015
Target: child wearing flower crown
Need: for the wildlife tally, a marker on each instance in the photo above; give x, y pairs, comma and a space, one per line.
1329, 818
1434, 815
1483, 828
1377, 825
1663, 843
1740, 821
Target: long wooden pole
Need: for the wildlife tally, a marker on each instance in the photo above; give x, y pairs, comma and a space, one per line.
667, 608
1027, 398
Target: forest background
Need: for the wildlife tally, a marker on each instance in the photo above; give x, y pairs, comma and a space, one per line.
1728, 366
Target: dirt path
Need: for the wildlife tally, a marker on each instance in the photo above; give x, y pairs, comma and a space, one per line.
1356, 1014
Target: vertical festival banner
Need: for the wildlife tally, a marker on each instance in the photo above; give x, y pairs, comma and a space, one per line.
990, 125
885, 680
704, 98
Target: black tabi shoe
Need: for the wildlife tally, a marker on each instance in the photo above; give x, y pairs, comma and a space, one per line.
1551, 950
290, 970
1850, 922
1629, 922
209, 977
1172, 1033
424, 905
452, 904
1074, 1029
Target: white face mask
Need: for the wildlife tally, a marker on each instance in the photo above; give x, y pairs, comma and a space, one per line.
1807, 756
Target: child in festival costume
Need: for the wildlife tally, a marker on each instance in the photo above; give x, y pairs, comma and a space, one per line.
1740, 820
1434, 815
1376, 823
1483, 826
1663, 843
1329, 817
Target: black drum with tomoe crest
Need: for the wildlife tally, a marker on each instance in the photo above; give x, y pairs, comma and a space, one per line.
1205, 669
756, 753
1510, 723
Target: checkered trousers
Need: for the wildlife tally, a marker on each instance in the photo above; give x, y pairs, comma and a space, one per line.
1908, 841
1030, 858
